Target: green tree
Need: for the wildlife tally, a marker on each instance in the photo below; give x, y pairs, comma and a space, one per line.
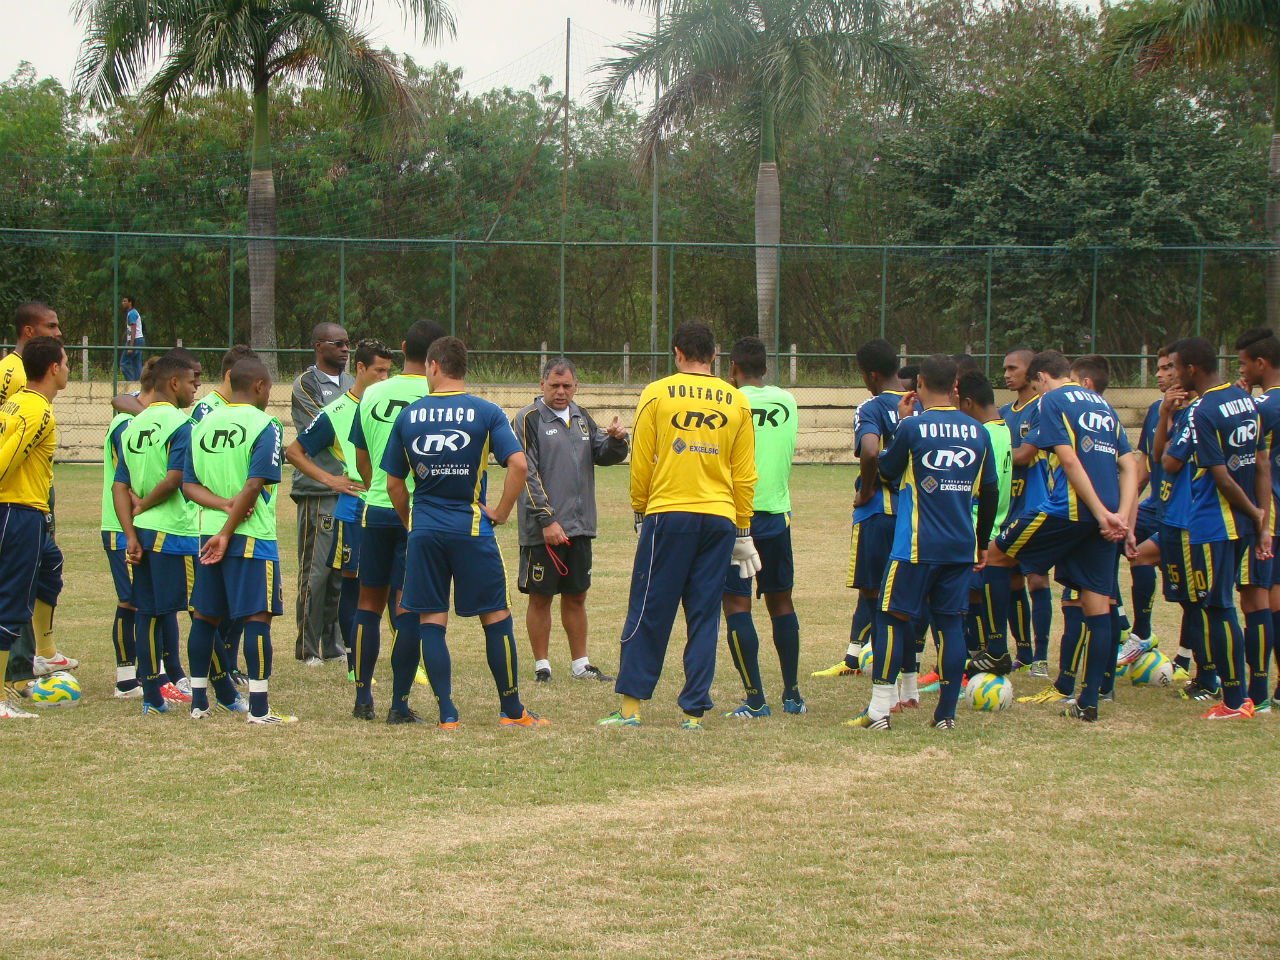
772, 65
205, 45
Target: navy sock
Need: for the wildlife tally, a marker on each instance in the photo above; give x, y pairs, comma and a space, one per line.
997, 596
886, 646
973, 642
1195, 620
230, 631
951, 656
219, 676
1069, 653
1109, 668
861, 629
1144, 595
347, 600
1257, 650
1275, 647
1227, 644
365, 651
200, 647
1097, 652
910, 662
406, 654
786, 640
123, 642
435, 660
172, 640
1041, 621
148, 643
744, 648
500, 651
1020, 623
257, 662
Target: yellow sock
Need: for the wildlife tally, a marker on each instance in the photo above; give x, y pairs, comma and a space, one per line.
630, 707
690, 716
4, 667
42, 627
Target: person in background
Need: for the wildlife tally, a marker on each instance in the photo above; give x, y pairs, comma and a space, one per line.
131, 358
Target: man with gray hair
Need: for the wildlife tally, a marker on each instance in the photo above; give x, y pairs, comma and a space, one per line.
319, 586
557, 512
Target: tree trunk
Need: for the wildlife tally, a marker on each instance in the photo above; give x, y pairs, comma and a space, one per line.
262, 223
768, 231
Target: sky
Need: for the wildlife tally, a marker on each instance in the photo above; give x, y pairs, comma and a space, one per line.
501, 41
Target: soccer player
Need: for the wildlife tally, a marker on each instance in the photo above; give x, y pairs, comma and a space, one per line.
1259, 354
774, 414
28, 436
382, 534
940, 461
1074, 531
444, 440
1220, 443
1031, 601
331, 431
233, 473
874, 424
693, 479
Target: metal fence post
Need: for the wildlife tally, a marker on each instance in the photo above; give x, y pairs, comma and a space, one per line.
562, 294
84, 357
342, 284
115, 305
231, 293
671, 299
1199, 290
777, 317
884, 286
1093, 306
453, 288
987, 348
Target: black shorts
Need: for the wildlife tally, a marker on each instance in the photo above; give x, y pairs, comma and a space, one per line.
540, 574
1075, 550
777, 568
869, 551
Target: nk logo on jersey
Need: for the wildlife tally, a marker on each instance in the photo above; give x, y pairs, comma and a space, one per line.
141, 441
224, 438
434, 444
699, 420
1244, 434
389, 411
949, 458
775, 415
1096, 422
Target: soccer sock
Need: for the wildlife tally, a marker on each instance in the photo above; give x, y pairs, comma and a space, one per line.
1122, 618
1275, 647
1069, 651
365, 652
1041, 621
541, 665
973, 628
950, 665
744, 648
1108, 684
1097, 653
200, 649
500, 651
126, 650
223, 687
1144, 595
42, 627
910, 685
910, 656
887, 657
1019, 623
630, 707
406, 654
786, 640
199, 693
4, 669
1195, 620
231, 631
257, 661
1258, 640
998, 593
147, 643
172, 647
435, 659
1227, 644
578, 667
860, 631
348, 597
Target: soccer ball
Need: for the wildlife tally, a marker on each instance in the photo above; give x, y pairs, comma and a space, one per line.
59, 689
989, 691
1122, 669
1153, 668
866, 662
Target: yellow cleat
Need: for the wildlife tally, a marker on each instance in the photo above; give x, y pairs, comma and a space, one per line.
864, 721
421, 676
1049, 694
1180, 675
841, 669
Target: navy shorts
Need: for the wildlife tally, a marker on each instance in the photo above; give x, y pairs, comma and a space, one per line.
162, 583
1254, 572
777, 568
237, 587
1075, 550
121, 573
919, 589
381, 562
473, 565
345, 555
540, 574
869, 551
23, 531
1208, 571
1174, 566
49, 577
1146, 527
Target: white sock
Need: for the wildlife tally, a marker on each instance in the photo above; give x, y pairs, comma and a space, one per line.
199, 683
1184, 652
125, 674
855, 650
542, 665
882, 700
257, 686
910, 689
579, 666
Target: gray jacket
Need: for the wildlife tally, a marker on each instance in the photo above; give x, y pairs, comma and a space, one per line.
562, 459
311, 391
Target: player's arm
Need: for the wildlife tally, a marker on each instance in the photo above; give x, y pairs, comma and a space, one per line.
643, 441
868, 468
1262, 496
1113, 525
1173, 399
122, 499
609, 445
162, 491
305, 405
1234, 494
298, 459
17, 444
126, 403
742, 473
398, 493
512, 484
893, 461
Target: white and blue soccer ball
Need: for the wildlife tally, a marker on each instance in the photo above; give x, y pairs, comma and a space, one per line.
866, 660
59, 689
989, 691
1152, 669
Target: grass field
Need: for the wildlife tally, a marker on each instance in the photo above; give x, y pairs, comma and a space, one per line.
1151, 834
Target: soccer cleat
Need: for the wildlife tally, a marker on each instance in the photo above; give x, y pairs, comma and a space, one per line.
1077, 712
133, 693
1192, 690
794, 706
1133, 648
1049, 694
526, 719
148, 709
43, 666
841, 669
946, 723
420, 677
542, 676
199, 713
238, 705
616, 719
1018, 665
593, 673
362, 711
408, 716
172, 694
1248, 707
864, 721
1180, 675
692, 724
312, 662
270, 717
986, 663
351, 676
11, 711
1039, 668
929, 682
448, 726
1220, 711
911, 704
1262, 706
744, 711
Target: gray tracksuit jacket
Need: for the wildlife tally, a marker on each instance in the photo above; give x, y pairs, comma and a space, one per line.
311, 391
562, 459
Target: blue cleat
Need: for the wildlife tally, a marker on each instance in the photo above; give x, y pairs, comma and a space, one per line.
744, 711
794, 706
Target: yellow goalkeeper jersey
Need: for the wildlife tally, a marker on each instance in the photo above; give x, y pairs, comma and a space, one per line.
27, 439
693, 449
13, 376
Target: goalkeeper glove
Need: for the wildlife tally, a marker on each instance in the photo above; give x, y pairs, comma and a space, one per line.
639, 519
745, 557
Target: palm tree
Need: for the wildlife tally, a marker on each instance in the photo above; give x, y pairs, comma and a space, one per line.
204, 45
773, 64
1203, 33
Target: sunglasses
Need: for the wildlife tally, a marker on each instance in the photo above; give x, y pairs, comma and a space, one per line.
336, 343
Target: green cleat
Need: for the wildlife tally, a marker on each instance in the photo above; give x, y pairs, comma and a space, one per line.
616, 719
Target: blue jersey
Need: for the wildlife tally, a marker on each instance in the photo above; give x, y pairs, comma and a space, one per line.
1223, 429
445, 440
1072, 416
937, 462
1018, 420
1175, 491
878, 417
1268, 405
1151, 504
320, 435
